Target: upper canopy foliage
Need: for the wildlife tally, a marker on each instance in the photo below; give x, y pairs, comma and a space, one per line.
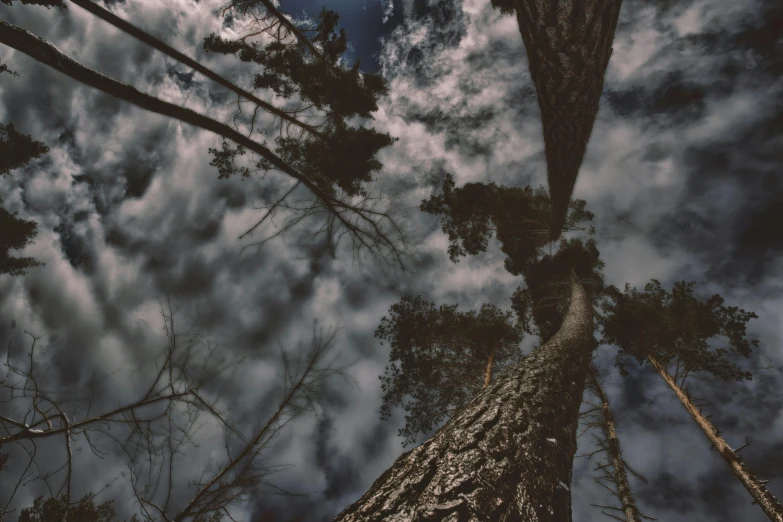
519, 218
333, 153
439, 357
677, 327
290, 68
16, 150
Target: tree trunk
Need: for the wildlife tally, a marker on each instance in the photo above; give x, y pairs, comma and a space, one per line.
41, 50
508, 454
46, 53
488, 374
568, 44
760, 494
619, 476
150, 40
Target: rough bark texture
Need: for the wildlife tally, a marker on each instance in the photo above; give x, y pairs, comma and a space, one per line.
760, 494
488, 373
568, 44
619, 475
508, 454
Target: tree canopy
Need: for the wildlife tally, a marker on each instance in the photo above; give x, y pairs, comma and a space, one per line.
439, 358
699, 334
518, 217
336, 153
16, 151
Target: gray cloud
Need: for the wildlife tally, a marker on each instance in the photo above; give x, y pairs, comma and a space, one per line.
681, 172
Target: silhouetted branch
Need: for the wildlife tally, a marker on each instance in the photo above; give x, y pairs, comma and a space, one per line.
159, 428
369, 228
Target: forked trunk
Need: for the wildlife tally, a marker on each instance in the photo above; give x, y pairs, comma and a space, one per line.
766, 500
619, 474
568, 44
508, 454
488, 373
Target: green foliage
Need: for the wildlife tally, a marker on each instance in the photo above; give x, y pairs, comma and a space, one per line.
225, 160
505, 6
346, 158
545, 299
439, 358
323, 81
54, 508
341, 155
677, 327
15, 233
16, 150
519, 218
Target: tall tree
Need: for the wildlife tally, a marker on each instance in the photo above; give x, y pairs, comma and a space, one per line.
441, 358
615, 470
568, 45
16, 151
678, 330
508, 453
332, 159
310, 68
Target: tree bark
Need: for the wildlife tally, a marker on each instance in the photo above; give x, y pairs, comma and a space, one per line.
619, 476
508, 454
766, 500
119, 23
488, 373
568, 44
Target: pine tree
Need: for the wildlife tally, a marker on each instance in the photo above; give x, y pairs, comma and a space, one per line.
678, 330
508, 453
333, 159
568, 45
441, 358
615, 470
16, 151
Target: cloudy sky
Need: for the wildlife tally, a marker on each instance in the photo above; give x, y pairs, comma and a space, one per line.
682, 171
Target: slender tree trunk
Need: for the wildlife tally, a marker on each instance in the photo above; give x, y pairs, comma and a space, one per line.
508, 454
41, 50
46, 53
568, 44
619, 476
119, 23
488, 373
760, 494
